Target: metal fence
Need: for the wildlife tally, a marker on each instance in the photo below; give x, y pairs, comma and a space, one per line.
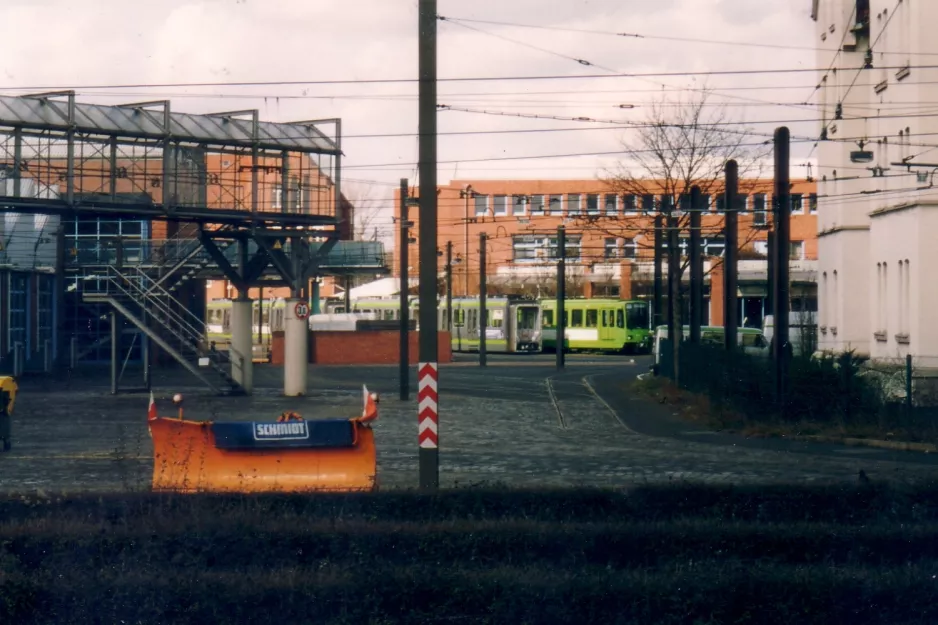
837, 389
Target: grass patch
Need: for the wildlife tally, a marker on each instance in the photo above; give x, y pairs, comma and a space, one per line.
663, 554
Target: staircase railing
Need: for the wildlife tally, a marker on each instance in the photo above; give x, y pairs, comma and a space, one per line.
187, 249
186, 326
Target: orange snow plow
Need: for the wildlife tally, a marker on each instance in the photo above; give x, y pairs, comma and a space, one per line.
289, 454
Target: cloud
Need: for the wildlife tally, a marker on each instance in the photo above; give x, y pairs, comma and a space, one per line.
50, 43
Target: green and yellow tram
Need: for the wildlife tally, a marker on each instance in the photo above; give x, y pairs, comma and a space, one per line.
514, 325
602, 325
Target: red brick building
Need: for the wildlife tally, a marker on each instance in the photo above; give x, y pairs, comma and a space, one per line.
610, 237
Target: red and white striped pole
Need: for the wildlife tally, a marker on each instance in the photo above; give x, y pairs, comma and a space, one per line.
428, 436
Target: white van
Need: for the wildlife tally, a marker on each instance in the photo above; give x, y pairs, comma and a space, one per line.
802, 331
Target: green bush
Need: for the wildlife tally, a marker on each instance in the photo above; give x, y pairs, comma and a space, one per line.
824, 390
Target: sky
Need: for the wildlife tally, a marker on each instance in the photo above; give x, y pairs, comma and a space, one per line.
102, 47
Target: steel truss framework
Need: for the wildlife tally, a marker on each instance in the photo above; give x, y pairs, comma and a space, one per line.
219, 173
59, 156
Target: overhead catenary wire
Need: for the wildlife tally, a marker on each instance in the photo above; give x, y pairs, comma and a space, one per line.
442, 79
647, 36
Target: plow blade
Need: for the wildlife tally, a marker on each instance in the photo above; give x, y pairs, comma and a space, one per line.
292, 456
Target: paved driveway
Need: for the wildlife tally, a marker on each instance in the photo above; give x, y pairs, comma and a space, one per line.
516, 422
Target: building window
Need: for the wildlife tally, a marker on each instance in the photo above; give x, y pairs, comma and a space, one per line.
611, 248
573, 203
715, 246
573, 247
629, 248
759, 217
629, 206
481, 205
797, 205
907, 302
743, 200
705, 202
796, 251
684, 203
518, 204
812, 203
610, 203
648, 204
501, 205
45, 317
537, 204
880, 297
556, 205
836, 300
683, 246
529, 248
721, 204
524, 249
592, 204
17, 317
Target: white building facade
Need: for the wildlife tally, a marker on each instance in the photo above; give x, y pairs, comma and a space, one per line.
878, 167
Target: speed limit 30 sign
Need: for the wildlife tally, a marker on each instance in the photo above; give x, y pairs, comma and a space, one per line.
301, 310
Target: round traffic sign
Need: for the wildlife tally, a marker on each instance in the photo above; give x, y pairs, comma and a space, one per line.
302, 310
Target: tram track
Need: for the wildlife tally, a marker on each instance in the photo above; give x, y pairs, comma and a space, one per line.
556, 404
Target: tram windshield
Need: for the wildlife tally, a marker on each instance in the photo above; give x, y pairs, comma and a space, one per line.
527, 317
637, 315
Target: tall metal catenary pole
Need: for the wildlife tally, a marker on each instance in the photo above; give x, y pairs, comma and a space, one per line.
696, 265
782, 251
731, 255
675, 327
483, 304
658, 278
429, 459
404, 288
560, 322
449, 287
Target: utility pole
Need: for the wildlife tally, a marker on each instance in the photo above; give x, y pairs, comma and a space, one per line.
731, 255
675, 328
770, 277
483, 309
696, 266
561, 294
659, 254
782, 251
404, 372
428, 406
449, 286
466, 193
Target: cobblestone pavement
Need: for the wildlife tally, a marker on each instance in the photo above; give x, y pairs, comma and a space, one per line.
517, 424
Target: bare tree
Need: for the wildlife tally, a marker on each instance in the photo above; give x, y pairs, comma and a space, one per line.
684, 142
370, 208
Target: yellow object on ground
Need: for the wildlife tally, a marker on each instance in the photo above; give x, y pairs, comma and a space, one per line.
287, 455
8, 390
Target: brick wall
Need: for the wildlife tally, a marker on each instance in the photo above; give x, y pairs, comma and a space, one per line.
716, 294
361, 348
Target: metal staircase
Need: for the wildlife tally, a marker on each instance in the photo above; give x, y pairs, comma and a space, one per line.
163, 267
179, 332
180, 259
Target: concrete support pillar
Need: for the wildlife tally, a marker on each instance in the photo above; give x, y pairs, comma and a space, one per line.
295, 353
242, 369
